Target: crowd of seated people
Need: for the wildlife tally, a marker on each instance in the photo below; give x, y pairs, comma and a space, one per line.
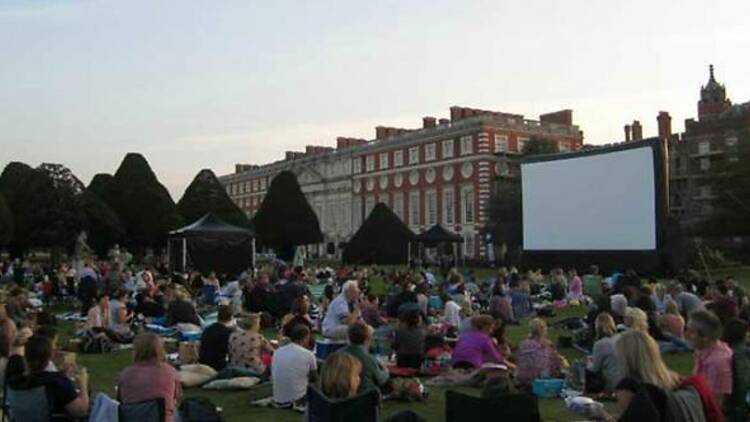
466, 316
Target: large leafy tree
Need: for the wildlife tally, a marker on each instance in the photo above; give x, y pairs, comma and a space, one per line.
285, 218
33, 202
6, 222
206, 194
730, 185
538, 146
142, 203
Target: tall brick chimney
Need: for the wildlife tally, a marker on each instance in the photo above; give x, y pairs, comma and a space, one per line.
637, 130
627, 133
428, 122
665, 125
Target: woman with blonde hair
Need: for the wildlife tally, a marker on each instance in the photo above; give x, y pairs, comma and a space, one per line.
247, 344
639, 356
602, 360
150, 377
641, 394
537, 356
339, 378
636, 319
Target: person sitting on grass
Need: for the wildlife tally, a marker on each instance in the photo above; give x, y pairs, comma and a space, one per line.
31, 370
150, 377
343, 311
409, 342
340, 379
602, 360
671, 322
713, 357
247, 345
182, 311
292, 368
475, 346
298, 314
214, 345
371, 312
536, 356
373, 375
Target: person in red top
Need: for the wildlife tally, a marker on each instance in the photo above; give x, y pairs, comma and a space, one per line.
150, 377
713, 358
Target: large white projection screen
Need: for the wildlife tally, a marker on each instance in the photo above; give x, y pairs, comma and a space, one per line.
598, 202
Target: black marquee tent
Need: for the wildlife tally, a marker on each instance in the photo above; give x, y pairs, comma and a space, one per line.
436, 236
211, 244
382, 239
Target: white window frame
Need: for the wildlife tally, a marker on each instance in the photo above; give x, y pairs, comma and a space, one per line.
398, 158
449, 207
431, 207
501, 143
467, 207
384, 161
705, 164
704, 147
370, 163
357, 165
467, 145
398, 205
429, 152
448, 148
414, 155
415, 214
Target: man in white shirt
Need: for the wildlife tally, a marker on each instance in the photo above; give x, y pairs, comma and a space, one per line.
292, 368
342, 312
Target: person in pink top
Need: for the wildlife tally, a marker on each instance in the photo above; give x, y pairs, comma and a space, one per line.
575, 288
476, 347
150, 377
536, 356
672, 322
713, 358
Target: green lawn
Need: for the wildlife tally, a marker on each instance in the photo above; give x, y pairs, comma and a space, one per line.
236, 405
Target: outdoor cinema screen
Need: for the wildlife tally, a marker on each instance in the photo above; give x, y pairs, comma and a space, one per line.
591, 201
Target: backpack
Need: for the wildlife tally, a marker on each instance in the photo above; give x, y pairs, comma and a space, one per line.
92, 342
199, 409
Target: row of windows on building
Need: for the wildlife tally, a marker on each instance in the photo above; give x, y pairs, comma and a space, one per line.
429, 153
255, 185
704, 147
417, 218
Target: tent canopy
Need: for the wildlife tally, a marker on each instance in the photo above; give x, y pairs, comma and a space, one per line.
211, 244
382, 239
438, 234
211, 225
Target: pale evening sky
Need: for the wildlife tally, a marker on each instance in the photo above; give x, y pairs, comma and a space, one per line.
195, 84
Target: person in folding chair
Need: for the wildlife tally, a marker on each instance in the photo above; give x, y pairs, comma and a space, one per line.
35, 394
337, 400
150, 377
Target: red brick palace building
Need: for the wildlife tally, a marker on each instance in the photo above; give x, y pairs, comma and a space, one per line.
439, 173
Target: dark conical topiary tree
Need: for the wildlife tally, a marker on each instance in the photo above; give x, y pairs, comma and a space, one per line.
6, 222
382, 239
143, 205
205, 194
285, 218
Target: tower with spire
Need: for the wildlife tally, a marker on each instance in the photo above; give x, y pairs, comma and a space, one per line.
713, 98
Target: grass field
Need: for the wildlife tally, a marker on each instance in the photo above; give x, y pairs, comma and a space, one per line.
103, 370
